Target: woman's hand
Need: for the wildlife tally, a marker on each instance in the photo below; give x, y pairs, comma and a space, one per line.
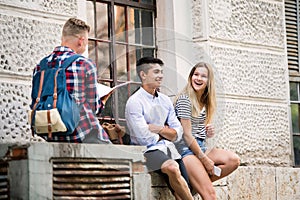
208, 164
210, 130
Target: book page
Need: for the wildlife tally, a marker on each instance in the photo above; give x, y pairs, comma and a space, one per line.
104, 90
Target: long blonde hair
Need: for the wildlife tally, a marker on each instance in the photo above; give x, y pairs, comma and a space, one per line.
208, 98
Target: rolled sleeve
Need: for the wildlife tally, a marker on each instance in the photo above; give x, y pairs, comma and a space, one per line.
179, 131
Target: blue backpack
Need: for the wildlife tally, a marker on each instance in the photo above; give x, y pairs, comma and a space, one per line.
53, 110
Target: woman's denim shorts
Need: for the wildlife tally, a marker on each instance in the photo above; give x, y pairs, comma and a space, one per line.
184, 150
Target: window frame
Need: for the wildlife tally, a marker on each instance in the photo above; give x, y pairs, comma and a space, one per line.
292, 25
112, 45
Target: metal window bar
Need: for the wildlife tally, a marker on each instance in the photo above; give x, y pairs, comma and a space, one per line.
112, 43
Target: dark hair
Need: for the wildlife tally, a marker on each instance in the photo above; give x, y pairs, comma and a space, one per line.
149, 60
143, 64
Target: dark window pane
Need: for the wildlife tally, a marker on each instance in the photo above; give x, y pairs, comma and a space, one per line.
92, 51
122, 99
147, 1
132, 63
102, 21
121, 62
147, 28
103, 62
138, 53
134, 88
90, 14
296, 142
137, 25
148, 52
108, 109
120, 23
295, 117
294, 91
133, 26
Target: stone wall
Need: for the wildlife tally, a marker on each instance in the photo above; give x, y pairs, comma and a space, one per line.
30, 29
245, 41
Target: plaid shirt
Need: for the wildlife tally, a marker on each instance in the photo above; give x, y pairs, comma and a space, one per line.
81, 79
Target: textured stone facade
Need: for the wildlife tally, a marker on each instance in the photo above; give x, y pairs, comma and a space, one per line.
24, 42
14, 102
248, 22
43, 7
244, 41
29, 30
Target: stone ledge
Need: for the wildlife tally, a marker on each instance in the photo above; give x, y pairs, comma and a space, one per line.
246, 183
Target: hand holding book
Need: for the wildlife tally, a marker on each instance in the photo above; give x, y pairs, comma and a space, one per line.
104, 92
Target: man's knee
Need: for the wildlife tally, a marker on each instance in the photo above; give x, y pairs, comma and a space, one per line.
170, 167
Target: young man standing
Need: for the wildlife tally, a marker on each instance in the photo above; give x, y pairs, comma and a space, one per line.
81, 80
152, 122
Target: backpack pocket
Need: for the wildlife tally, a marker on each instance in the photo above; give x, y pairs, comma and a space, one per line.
44, 121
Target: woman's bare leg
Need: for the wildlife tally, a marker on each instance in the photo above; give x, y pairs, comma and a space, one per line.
199, 178
226, 160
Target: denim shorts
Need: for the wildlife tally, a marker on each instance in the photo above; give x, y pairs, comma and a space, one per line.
184, 150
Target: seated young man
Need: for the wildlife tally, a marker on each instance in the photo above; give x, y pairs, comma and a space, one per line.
152, 122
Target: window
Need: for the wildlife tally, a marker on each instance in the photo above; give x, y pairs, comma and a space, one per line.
122, 31
292, 35
295, 117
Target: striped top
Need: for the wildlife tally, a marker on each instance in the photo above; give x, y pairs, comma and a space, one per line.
183, 110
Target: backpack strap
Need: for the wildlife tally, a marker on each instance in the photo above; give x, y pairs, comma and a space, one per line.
37, 100
43, 64
55, 89
67, 62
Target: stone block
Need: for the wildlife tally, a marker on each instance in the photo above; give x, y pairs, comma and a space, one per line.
20, 185
199, 19
288, 184
38, 39
142, 186
245, 72
161, 193
248, 128
160, 189
252, 22
252, 183
58, 7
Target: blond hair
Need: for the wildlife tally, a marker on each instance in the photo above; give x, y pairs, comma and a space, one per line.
75, 27
208, 98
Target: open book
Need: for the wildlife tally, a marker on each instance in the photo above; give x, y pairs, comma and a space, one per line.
104, 90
